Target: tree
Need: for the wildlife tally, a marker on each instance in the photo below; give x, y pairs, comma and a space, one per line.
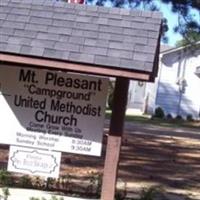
190, 38
188, 26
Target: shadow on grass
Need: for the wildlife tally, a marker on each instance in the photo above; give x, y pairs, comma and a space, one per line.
169, 157
146, 119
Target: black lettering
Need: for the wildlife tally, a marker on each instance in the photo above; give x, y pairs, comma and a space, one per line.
99, 85
76, 83
84, 84
45, 117
68, 82
50, 77
60, 81
55, 105
39, 116
27, 76
29, 102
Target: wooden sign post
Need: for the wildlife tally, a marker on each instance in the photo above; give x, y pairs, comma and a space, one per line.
114, 139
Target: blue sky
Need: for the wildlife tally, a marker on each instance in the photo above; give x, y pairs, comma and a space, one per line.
172, 22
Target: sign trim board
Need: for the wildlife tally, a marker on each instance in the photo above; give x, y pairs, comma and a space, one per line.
52, 110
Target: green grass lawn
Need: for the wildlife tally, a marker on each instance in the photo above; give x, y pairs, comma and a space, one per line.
146, 119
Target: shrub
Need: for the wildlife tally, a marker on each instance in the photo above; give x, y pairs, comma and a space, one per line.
95, 182
151, 193
179, 117
159, 113
25, 182
56, 198
6, 193
5, 178
49, 183
169, 116
99, 183
52, 198
38, 183
189, 118
34, 198
119, 195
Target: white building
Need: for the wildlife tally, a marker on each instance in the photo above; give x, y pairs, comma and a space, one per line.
177, 87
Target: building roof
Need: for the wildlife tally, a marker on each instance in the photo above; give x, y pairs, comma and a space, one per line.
165, 49
111, 38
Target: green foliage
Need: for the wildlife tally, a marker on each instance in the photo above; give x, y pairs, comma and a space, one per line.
179, 117
95, 183
38, 183
189, 38
99, 183
5, 178
35, 198
120, 195
49, 183
6, 193
190, 118
52, 198
66, 182
25, 182
159, 113
150, 193
56, 198
169, 116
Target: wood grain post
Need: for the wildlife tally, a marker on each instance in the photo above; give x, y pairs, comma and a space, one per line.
114, 139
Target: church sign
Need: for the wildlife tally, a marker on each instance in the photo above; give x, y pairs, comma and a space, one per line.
52, 110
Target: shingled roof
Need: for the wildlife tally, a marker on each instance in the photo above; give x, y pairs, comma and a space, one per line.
96, 36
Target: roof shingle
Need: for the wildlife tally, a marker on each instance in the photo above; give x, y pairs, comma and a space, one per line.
112, 37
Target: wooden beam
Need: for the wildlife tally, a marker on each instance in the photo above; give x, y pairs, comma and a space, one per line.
114, 139
76, 67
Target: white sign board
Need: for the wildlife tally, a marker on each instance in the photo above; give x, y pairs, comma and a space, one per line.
52, 110
34, 162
